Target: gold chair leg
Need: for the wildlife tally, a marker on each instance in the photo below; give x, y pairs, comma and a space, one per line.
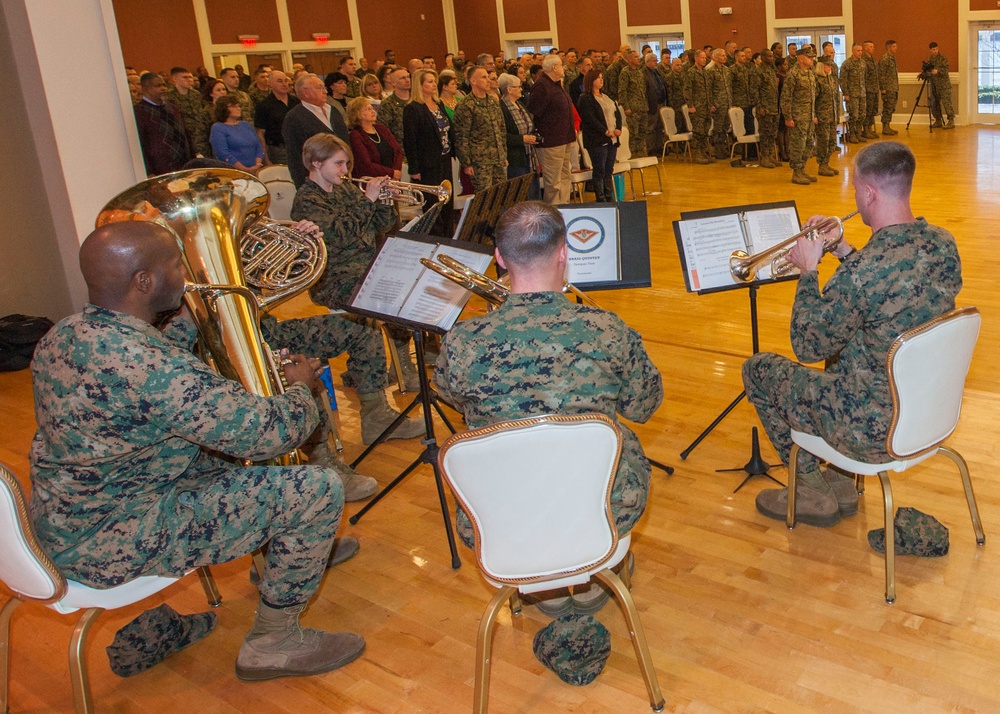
484, 646
859, 484
793, 464
637, 634
515, 603
890, 539
963, 468
5, 615
624, 569
78, 662
208, 584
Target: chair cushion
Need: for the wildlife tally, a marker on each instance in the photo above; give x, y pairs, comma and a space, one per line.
575, 647
79, 596
816, 446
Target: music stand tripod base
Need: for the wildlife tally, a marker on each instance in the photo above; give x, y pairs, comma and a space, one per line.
756, 466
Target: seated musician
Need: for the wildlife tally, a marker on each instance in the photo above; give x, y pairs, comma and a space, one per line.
908, 273
539, 353
125, 468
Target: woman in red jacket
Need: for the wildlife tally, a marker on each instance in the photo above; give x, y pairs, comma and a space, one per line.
376, 151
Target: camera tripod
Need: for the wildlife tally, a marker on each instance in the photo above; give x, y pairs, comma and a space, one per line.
930, 103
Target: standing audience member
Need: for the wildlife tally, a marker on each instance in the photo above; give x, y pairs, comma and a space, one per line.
852, 84
480, 135
871, 88
601, 125
521, 139
390, 111
798, 104
698, 96
349, 68
552, 110
164, 141
632, 98
336, 92
888, 82
376, 152
427, 128
313, 116
448, 93
575, 88
656, 97
234, 140
371, 88
765, 91
721, 101
192, 108
231, 79
739, 82
827, 115
261, 86
270, 117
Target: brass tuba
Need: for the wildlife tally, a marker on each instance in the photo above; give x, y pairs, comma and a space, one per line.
216, 215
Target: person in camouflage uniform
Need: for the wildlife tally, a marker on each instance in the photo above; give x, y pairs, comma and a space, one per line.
852, 85
764, 90
192, 108
888, 82
261, 86
349, 68
126, 476
827, 114
871, 88
614, 70
798, 104
539, 353
721, 100
941, 105
390, 111
231, 79
632, 98
739, 89
674, 81
908, 273
570, 72
830, 52
698, 97
480, 134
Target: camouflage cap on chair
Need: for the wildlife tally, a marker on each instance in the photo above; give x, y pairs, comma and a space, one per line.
916, 534
575, 647
155, 635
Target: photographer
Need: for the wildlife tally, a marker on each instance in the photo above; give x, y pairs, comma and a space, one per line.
937, 67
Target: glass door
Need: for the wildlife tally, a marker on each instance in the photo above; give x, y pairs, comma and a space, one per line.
817, 36
986, 73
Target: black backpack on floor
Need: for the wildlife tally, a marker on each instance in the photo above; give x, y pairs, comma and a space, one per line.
18, 336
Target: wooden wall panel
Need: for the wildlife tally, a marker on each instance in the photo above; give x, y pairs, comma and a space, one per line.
476, 24
525, 16
145, 47
590, 25
415, 31
709, 27
307, 16
982, 5
790, 9
643, 12
913, 24
228, 19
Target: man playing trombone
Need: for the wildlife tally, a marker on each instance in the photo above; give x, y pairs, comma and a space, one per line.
908, 273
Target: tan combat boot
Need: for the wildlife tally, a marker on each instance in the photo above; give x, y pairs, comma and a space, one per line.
278, 646
356, 486
377, 415
888, 130
814, 506
799, 177
827, 170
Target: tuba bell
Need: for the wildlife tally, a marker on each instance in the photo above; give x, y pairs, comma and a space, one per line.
217, 217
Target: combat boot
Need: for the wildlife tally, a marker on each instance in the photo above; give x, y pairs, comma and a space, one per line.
799, 177
860, 134
827, 170
852, 138
870, 132
937, 124
411, 378
813, 506
768, 163
950, 124
356, 486
377, 415
888, 130
844, 490
278, 646
810, 177
701, 158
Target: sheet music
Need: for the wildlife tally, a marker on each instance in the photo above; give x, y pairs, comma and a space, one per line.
767, 228
437, 300
708, 242
392, 276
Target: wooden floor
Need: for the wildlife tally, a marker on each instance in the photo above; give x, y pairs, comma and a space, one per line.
742, 615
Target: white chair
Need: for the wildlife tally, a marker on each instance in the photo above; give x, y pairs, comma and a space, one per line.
638, 164
279, 185
456, 187
580, 176
927, 367
31, 575
673, 136
623, 156
537, 492
736, 118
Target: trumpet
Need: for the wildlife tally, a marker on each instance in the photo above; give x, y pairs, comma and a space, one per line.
745, 267
407, 194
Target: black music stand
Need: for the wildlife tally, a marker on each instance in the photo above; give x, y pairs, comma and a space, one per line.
409, 299
755, 240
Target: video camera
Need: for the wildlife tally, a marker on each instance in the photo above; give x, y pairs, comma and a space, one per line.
925, 69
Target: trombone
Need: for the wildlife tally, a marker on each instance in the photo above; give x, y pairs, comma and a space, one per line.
407, 194
745, 267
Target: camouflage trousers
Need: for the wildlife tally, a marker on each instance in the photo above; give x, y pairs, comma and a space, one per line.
220, 512
856, 112
826, 141
888, 107
720, 133
328, 336
638, 127
699, 130
488, 175
941, 100
800, 143
871, 107
788, 395
768, 126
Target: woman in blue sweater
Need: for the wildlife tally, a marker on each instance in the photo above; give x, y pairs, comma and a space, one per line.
233, 140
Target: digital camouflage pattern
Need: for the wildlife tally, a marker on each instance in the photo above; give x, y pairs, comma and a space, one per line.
674, 82
698, 96
611, 76
798, 103
390, 113
916, 533
127, 477
196, 122
871, 88
632, 97
257, 95
827, 115
739, 85
350, 223
941, 83
852, 85
155, 635
575, 647
354, 88
721, 99
764, 94
481, 140
905, 275
539, 353
888, 81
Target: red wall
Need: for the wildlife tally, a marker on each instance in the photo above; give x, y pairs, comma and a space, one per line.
644, 12
913, 24
231, 18
586, 26
400, 27
158, 50
307, 17
525, 15
788, 9
708, 27
476, 23
982, 5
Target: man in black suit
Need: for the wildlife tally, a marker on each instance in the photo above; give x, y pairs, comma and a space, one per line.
313, 116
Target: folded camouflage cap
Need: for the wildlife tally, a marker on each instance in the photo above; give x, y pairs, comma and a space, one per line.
575, 647
153, 636
917, 533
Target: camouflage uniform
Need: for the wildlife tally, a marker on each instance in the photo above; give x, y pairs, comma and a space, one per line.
852, 85
125, 468
350, 224
540, 353
906, 275
611, 75
390, 113
481, 140
888, 80
196, 121
798, 103
942, 88
675, 96
632, 96
569, 75
354, 88
721, 99
827, 115
698, 96
257, 95
764, 89
246, 104
871, 90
